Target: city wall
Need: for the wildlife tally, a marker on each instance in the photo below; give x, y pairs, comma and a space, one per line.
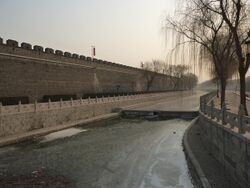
226, 136
34, 72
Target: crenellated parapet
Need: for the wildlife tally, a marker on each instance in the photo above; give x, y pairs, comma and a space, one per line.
33, 72
37, 51
26, 46
11, 43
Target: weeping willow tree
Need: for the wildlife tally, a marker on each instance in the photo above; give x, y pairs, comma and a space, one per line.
205, 38
235, 13
222, 60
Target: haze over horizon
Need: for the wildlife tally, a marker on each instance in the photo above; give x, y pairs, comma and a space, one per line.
126, 32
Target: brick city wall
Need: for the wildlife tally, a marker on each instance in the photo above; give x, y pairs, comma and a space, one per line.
35, 72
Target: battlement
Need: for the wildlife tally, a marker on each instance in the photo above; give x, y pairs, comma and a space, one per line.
34, 72
37, 51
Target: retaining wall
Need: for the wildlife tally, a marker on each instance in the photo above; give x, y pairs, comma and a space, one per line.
18, 119
226, 144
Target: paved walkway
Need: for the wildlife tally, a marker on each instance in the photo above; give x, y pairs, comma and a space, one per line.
232, 102
180, 101
213, 170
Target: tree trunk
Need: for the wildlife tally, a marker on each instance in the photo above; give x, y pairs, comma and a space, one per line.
243, 91
223, 91
148, 86
217, 85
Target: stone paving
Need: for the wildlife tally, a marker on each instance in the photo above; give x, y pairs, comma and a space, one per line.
182, 101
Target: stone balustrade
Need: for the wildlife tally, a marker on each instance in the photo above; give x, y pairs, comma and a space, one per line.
226, 136
36, 107
223, 116
22, 118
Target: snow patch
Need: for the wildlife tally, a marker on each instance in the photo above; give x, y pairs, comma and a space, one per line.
62, 134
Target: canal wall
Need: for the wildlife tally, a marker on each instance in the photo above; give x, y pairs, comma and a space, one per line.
30, 73
226, 136
23, 118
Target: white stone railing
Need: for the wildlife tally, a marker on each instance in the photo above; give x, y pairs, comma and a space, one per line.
37, 107
222, 116
22, 118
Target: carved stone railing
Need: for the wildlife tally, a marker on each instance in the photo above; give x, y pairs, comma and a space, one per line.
38, 107
222, 116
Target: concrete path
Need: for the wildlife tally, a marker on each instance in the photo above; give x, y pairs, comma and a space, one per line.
181, 101
232, 102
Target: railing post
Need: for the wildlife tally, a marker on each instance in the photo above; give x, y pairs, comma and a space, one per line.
35, 105
81, 101
89, 100
205, 108
241, 113
223, 110
201, 104
205, 105
212, 109
19, 106
49, 103
61, 103
71, 100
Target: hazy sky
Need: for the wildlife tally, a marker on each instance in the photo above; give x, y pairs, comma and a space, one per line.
123, 31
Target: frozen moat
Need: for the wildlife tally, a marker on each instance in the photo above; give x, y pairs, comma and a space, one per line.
126, 154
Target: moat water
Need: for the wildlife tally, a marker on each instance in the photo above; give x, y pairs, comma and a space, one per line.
117, 154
